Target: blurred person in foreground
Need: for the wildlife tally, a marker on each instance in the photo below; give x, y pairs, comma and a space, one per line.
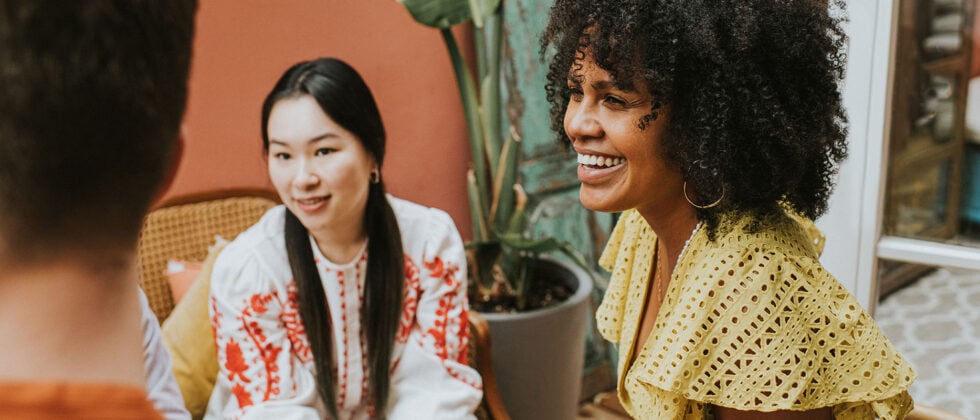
91, 98
717, 127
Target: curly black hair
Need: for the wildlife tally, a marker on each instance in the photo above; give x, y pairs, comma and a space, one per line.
752, 87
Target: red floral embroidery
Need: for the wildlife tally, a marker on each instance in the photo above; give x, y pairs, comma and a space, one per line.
291, 320
360, 267
435, 267
345, 358
447, 272
235, 361
260, 303
438, 329
454, 372
268, 352
449, 333
362, 340
410, 300
215, 318
242, 395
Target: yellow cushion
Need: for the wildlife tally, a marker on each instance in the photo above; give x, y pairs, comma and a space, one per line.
188, 336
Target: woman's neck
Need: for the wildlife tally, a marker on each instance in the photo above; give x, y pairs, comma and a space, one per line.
74, 321
673, 226
342, 244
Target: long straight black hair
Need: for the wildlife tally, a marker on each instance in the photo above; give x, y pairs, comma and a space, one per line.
346, 99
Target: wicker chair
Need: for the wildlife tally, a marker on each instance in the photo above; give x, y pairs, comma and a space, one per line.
492, 407
183, 228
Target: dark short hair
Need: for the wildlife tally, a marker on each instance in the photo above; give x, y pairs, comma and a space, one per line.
91, 98
752, 88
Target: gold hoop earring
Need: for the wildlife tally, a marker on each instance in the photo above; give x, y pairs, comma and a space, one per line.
701, 165
375, 177
707, 206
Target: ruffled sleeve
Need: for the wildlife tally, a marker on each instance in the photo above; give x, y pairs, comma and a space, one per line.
431, 378
609, 255
763, 327
632, 237
256, 329
813, 233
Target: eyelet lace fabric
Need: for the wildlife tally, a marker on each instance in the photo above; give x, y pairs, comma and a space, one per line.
750, 321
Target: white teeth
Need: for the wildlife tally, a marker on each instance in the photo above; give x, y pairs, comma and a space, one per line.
601, 161
310, 201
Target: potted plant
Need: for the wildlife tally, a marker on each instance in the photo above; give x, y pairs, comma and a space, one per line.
537, 307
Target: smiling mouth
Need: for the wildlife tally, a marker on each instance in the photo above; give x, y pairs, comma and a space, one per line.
312, 204
599, 161
312, 201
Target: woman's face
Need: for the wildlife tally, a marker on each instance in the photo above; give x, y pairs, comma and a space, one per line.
620, 165
321, 171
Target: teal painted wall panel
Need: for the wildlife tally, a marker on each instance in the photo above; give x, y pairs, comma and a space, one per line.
548, 168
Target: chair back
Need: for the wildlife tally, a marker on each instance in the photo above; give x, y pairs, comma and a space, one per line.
183, 228
478, 357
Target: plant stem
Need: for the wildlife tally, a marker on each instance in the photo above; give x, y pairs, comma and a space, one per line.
467, 92
487, 43
480, 228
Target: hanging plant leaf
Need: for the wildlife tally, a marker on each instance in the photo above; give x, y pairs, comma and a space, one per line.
448, 13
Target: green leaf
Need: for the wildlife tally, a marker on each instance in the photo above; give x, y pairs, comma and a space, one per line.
479, 220
577, 257
439, 13
540, 246
468, 94
482, 9
448, 13
537, 246
504, 196
518, 221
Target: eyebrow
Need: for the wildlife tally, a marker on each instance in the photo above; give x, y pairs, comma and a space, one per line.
603, 85
321, 137
597, 85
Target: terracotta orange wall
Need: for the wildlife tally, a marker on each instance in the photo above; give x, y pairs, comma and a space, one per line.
975, 55
243, 46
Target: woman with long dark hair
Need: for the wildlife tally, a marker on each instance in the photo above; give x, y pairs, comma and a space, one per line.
344, 302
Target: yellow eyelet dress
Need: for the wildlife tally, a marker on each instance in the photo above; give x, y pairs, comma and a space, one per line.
750, 321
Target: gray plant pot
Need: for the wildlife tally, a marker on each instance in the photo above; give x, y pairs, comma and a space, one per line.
538, 356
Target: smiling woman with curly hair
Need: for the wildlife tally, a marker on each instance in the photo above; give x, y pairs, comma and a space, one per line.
717, 127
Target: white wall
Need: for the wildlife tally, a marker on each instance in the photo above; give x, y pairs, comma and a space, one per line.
852, 223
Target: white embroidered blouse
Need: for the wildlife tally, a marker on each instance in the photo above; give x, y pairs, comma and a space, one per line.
267, 369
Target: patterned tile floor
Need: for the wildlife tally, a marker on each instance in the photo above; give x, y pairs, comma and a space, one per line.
935, 324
